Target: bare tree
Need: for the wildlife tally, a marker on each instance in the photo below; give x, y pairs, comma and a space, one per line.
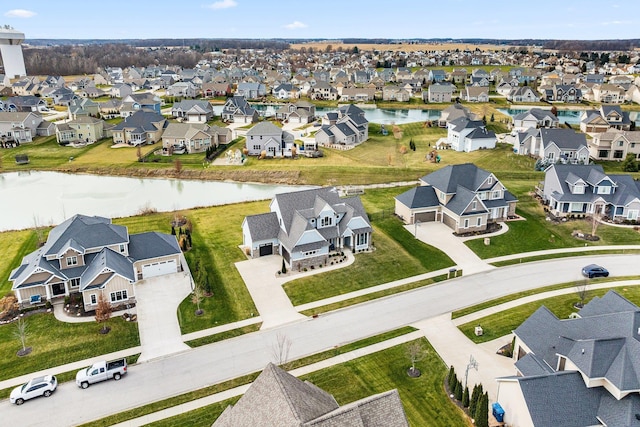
280, 350
582, 291
178, 166
103, 313
22, 333
196, 298
415, 353
595, 220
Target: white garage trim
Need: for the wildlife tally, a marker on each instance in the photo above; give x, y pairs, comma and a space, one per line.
159, 268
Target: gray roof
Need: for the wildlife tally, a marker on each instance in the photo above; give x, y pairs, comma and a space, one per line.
450, 177
106, 259
566, 139
264, 128
459, 203
538, 113
263, 226
278, 399
89, 232
142, 121
419, 197
531, 365
152, 245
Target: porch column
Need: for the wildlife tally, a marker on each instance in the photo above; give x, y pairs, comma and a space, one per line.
47, 289
17, 291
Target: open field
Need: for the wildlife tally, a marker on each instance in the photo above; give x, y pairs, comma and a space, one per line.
400, 47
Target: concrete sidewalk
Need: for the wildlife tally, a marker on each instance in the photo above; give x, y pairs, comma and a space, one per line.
525, 255
238, 391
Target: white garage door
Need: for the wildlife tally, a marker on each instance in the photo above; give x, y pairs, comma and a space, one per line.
159, 268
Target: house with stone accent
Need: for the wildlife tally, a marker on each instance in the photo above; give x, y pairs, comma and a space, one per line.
305, 226
581, 190
277, 398
464, 197
580, 371
238, 110
605, 118
90, 255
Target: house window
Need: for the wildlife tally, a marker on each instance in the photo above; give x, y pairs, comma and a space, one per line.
620, 143
474, 205
604, 190
495, 195
118, 295
72, 260
632, 215
466, 223
362, 239
326, 221
618, 154
256, 147
93, 298
479, 221
121, 248
74, 283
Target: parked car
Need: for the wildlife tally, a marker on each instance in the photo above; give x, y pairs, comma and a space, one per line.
594, 270
40, 386
101, 371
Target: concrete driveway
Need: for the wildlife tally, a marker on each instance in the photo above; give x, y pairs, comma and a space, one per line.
440, 236
157, 304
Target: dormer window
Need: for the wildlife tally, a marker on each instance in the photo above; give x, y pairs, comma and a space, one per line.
72, 260
326, 221
121, 248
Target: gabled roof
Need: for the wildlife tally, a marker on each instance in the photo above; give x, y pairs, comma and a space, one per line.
152, 245
463, 197
88, 232
142, 121
106, 260
566, 139
264, 128
450, 177
423, 196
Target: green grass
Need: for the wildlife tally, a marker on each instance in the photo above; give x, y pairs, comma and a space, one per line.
577, 252
424, 399
518, 295
538, 234
398, 255
500, 324
56, 343
372, 296
223, 335
15, 245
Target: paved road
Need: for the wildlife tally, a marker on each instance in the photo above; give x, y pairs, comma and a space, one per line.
228, 359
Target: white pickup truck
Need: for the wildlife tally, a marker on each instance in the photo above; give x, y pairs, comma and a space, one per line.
101, 371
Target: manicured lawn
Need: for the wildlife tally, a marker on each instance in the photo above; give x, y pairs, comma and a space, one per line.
398, 255
538, 234
500, 324
15, 245
55, 343
424, 399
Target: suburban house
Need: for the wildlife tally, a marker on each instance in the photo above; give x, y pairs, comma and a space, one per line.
83, 107
140, 101
453, 112
554, 145
25, 104
522, 94
534, 118
142, 127
395, 93
464, 197
277, 398
468, 135
562, 93
438, 93
323, 90
120, 90
475, 94
267, 137
606, 117
211, 90
193, 111
194, 137
92, 256
238, 110
608, 93
580, 371
579, 190
301, 112
347, 126
614, 145
82, 129
437, 76
286, 91
357, 94
183, 89
19, 127
251, 90
305, 226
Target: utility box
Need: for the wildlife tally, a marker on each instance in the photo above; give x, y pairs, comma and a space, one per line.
487, 241
478, 331
498, 412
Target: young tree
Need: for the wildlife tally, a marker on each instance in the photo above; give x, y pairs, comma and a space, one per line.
452, 372
196, 298
582, 291
474, 400
284, 267
178, 166
280, 349
415, 353
452, 383
465, 397
482, 412
458, 391
103, 313
139, 153
22, 333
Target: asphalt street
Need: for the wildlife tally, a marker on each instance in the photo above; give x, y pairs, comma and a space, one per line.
207, 365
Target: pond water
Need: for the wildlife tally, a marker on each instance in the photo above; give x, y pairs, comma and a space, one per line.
374, 115
48, 198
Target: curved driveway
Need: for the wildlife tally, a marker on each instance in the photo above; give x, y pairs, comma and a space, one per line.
231, 358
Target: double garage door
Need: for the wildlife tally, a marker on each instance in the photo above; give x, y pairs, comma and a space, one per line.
159, 268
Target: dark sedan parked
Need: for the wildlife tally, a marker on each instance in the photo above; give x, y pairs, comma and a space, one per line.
593, 270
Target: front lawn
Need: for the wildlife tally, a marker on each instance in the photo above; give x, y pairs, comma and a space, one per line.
504, 322
397, 255
56, 343
15, 245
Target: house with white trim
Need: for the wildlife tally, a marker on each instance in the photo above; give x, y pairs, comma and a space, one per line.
305, 226
93, 256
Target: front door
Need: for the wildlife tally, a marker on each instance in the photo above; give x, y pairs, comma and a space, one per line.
57, 289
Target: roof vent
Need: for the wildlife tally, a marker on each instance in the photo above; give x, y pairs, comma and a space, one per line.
637, 416
583, 351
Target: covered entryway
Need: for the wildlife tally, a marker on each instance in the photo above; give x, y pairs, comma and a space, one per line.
266, 249
159, 268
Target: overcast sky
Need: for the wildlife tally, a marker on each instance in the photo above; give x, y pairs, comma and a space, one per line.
330, 19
